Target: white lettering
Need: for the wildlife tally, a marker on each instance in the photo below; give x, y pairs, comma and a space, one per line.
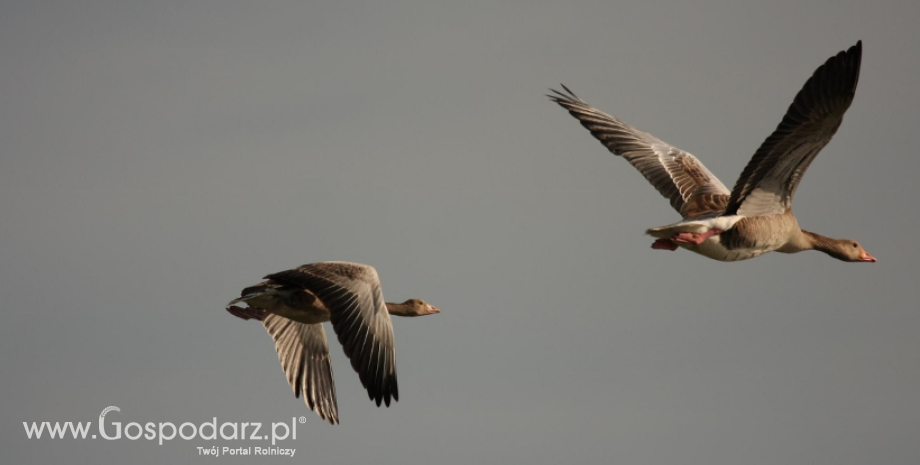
117, 430
236, 450
171, 436
273, 451
254, 435
102, 415
57, 430
224, 435
182, 428
167, 431
287, 431
213, 426
139, 431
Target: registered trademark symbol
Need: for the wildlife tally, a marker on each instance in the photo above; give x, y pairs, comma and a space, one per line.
303, 419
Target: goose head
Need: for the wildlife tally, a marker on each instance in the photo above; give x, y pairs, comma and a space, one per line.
849, 250
412, 307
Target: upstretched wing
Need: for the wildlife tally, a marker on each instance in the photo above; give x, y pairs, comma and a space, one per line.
768, 182
304, 356
351, 292
679, 176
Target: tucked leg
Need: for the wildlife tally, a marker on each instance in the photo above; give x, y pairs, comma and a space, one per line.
664, 244
247, 313
694, 238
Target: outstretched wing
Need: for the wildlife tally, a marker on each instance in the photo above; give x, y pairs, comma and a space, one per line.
678, 175
304, 356
768, 182
351, 292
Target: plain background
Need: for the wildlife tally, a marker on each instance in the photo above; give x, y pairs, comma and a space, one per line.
159, 156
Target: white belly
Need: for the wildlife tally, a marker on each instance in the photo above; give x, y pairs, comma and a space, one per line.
696, 225
714, 249
711, 247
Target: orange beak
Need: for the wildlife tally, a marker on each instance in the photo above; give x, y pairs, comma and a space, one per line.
865, 257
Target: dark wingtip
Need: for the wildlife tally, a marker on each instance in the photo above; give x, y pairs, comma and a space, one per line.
830, 89
856, 52
385, 394
562, 97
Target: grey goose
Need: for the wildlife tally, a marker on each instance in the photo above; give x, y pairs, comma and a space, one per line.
756, 216
293, 304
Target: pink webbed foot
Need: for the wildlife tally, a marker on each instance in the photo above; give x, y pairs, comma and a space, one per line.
248, 313
694, 238
664, 244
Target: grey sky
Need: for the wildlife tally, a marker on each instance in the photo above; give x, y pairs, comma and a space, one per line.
159, 156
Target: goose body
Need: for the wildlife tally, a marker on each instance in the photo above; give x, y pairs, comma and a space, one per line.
756, 216
294, 304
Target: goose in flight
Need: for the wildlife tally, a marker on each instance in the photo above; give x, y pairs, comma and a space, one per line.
293, 304
756, 216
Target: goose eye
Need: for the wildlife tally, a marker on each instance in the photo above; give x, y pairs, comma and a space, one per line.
855, 245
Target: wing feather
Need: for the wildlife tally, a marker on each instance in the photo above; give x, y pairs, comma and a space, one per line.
769, 181
679, 176
304, 356
351, 292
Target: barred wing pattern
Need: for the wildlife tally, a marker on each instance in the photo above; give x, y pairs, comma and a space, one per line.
351, 292
304, 356
679, 176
